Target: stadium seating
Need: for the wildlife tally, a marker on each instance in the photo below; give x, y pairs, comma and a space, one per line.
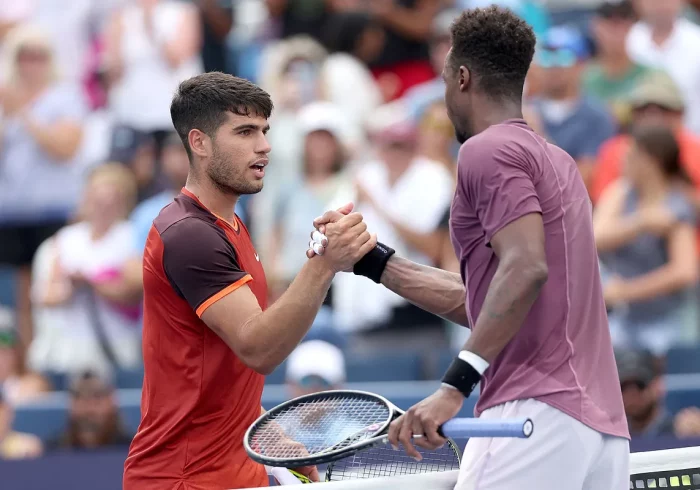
7, 295
683, 360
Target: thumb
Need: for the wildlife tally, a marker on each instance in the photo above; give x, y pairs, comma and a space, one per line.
346, 209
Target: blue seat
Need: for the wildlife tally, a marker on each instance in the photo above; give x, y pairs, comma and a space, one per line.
676, 400
129, 379
682, 360
7, 286
404, 366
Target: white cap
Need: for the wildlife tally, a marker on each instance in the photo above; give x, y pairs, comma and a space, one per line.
322, 116
316, 358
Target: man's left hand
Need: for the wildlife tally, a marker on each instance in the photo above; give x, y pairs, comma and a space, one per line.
425, 419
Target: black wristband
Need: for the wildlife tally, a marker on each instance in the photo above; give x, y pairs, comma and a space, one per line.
372, 265
462, 376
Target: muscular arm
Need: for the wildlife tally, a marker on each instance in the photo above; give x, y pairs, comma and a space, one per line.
263, 340
439, 292
521, 274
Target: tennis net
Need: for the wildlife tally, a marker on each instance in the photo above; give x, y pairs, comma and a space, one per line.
673, 468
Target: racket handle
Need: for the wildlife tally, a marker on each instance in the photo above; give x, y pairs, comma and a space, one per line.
463, 428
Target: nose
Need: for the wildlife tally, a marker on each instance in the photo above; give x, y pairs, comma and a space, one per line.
263, 145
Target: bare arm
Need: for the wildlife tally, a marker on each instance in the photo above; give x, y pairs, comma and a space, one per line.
680, 272
220, 20
414, 23
521, 274
188, 41
60, 140
436, 291
128, 289
263, 340
610, 227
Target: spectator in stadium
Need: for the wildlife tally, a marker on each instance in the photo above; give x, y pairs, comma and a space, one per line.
93, 323
612, 75
93, 416
391, 196
572, 121
646, 415
15, 445
301, 17
405, 59
315, 366
138, 151
216, 21
663, 39
657, 100
150, 46
16, 387
40, 174
645, 234
323, 184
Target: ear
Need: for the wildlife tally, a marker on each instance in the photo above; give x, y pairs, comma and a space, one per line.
464, 78
200, 143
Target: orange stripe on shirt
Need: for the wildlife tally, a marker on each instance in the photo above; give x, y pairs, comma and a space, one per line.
227, 290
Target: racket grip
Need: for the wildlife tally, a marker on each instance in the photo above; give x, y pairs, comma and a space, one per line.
463, 428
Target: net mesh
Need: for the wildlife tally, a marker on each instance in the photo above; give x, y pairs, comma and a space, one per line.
381, 461
671, 469
324, 424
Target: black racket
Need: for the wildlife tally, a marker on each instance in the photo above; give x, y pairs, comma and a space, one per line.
332, 425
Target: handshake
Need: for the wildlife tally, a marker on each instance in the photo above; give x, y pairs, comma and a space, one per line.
341, 239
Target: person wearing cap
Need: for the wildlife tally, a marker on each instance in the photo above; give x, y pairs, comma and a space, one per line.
612, 74
657, 100
324, 182
646, 416
576, 123
315, 366
664, 40
94, 421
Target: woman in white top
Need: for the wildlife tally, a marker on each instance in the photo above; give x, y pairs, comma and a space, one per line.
85, 321
150, 47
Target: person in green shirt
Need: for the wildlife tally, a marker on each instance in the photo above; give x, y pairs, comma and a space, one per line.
612, 75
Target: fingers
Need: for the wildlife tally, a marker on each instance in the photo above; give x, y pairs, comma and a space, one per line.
313, 474
346, 209
318, 237
368, 245
393, 434
333, 216
406, 436
432, 440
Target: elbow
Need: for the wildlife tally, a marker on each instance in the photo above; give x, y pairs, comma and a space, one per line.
533, 271
261, 365
256, 358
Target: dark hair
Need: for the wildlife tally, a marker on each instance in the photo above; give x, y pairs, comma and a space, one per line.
496, 46
661, 144
202, 102
343, 31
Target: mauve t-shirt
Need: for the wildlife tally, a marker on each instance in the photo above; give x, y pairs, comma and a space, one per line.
563, 354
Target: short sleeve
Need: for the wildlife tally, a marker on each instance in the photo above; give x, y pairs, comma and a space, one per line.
200, 263
497, 180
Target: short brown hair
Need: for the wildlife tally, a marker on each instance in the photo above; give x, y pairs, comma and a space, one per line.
660, 143
202, 102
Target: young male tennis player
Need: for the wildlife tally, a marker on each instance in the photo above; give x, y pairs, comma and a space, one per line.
522, 228
208, 336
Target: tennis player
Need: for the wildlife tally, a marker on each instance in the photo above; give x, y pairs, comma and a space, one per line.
521, 226
208, 336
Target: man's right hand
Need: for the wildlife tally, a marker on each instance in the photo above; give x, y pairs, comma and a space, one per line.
348, 240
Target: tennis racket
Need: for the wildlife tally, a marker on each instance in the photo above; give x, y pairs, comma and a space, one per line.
332, 425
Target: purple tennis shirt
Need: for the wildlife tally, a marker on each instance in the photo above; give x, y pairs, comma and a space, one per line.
563, 353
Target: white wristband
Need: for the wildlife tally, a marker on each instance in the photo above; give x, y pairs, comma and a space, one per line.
477, 362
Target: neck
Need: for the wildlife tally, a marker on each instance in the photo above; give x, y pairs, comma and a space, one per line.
615, 65
216, 201
491, 113
661, 31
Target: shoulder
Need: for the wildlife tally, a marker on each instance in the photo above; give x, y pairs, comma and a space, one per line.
192, 232
501, 143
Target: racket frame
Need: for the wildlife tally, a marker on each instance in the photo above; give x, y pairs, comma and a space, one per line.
377, 437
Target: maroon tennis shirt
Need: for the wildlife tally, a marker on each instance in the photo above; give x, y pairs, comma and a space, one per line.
563, 353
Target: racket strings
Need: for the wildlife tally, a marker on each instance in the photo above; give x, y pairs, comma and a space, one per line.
309, 428
380, 461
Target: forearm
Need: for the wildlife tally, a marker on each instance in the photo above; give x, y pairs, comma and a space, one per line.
60, 143
413, 24
275, 333
513, 290
616, 234
436, 291
659, 282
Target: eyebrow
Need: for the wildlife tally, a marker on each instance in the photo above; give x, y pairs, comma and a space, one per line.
253, 127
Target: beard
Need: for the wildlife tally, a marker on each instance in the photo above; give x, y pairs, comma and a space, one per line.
229, 178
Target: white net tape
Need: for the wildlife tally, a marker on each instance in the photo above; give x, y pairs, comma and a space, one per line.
673, 468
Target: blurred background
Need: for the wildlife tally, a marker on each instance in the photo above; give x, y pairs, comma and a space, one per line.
88, 157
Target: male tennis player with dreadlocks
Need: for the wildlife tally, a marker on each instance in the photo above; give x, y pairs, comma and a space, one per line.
521, 226
208, 336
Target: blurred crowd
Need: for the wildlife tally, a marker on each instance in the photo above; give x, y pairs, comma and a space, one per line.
88, 157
